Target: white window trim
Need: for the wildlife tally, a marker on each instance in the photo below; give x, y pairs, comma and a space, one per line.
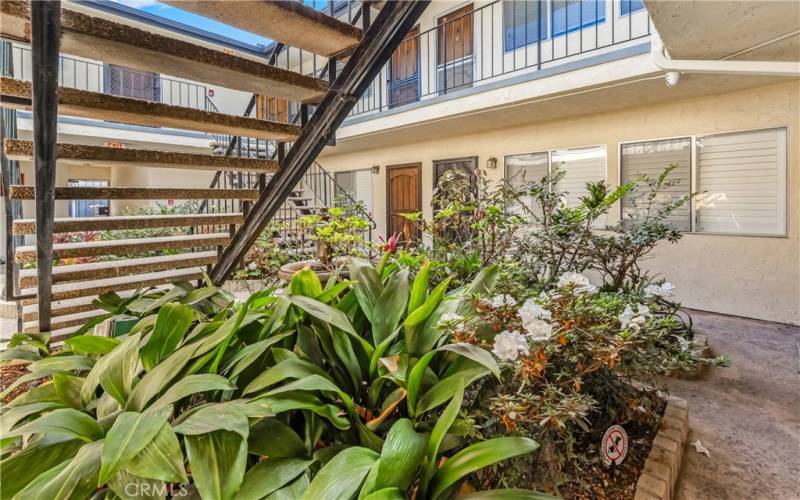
782, 200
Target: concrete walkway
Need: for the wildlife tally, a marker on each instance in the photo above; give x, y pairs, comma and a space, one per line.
747, 415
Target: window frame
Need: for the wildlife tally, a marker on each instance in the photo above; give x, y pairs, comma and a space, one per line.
543, 36
630, 12
581, 25
352, 171
77, 183
693, 169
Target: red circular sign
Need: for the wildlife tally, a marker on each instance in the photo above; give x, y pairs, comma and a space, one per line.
615, 445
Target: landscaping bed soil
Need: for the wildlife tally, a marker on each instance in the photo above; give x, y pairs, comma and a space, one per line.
10, 372
615, 482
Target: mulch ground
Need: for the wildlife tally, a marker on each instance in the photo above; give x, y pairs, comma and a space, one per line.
8, 374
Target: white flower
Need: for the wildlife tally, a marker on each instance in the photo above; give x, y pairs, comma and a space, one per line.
449, 319
626, 317
508, 345
530, 311
252, 266
663, 290
643, 310
579, 281
539, 329
503, 300
686, 344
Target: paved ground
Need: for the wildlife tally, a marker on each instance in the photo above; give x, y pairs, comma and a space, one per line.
747, 415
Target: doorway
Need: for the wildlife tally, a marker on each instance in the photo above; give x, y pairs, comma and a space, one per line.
403, 195
454, 54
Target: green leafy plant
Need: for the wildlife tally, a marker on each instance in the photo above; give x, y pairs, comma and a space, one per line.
338, 232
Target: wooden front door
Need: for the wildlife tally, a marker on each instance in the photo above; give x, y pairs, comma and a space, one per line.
455, 35
404, 75
272, 109
404, 195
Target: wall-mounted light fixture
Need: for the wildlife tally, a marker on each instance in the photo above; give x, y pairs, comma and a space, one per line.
491, 162
376, 169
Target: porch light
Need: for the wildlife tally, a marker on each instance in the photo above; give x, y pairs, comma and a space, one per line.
376, 169
491, 162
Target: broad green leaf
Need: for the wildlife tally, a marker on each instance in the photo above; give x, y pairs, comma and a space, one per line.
386, 494
76, 481
293, 491
270, 475
421, 330
23, 467
445, 388
54, 364
172, 323
213, 417
334, 291
162, 458
419, 289
390, 306
128, 486
39, 482
41, 394
160, 376
192, 384
68, 388
128, 436
286, 369
92, 344
305, 283
308, 383
482, 285
270, 437
302, 401
509, 494
22, 353
401, 456
476, 457
415, 378
64, 421
440, 429
323, 312
114, 371
10, 417
342, 476
475, 353
367, 286
218, 461
249, 354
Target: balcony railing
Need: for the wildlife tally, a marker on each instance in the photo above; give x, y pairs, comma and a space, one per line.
501, 40
109, 79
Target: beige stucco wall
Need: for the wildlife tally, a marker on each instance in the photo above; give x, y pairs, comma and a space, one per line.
757, 277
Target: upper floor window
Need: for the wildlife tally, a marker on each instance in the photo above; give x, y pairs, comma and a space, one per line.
627, 7
572, 15
520, 24
130, 83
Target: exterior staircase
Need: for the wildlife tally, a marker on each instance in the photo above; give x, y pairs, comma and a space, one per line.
253, 187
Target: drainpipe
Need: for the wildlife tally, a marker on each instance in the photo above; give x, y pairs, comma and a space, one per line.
674, 67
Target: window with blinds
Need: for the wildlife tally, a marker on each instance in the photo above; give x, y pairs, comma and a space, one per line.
580, 166
651, 158
357, 184
741, 178
523, 169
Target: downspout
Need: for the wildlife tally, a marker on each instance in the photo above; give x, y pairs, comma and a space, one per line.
722, 66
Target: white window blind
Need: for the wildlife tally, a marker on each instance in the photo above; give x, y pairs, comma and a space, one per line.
741, 178
651, 158
581, 165
523, 169
357, 184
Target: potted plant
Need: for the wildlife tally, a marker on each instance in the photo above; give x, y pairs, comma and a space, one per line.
337, 233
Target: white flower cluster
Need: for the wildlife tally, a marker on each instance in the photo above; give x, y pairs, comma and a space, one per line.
503, 300
508, 345
634, 321
535, 320
579, 281
663, 290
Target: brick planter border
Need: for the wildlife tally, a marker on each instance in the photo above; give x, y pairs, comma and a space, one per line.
663, 465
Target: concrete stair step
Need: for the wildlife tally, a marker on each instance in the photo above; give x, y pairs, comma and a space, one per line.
67, 306
115, 268
290, 22
124, 193
16, 94
80, 154
66, 321
93, 37
101, 286
27, 254
76, 224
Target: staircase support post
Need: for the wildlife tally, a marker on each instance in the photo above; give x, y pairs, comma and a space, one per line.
379, 42
46, 40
